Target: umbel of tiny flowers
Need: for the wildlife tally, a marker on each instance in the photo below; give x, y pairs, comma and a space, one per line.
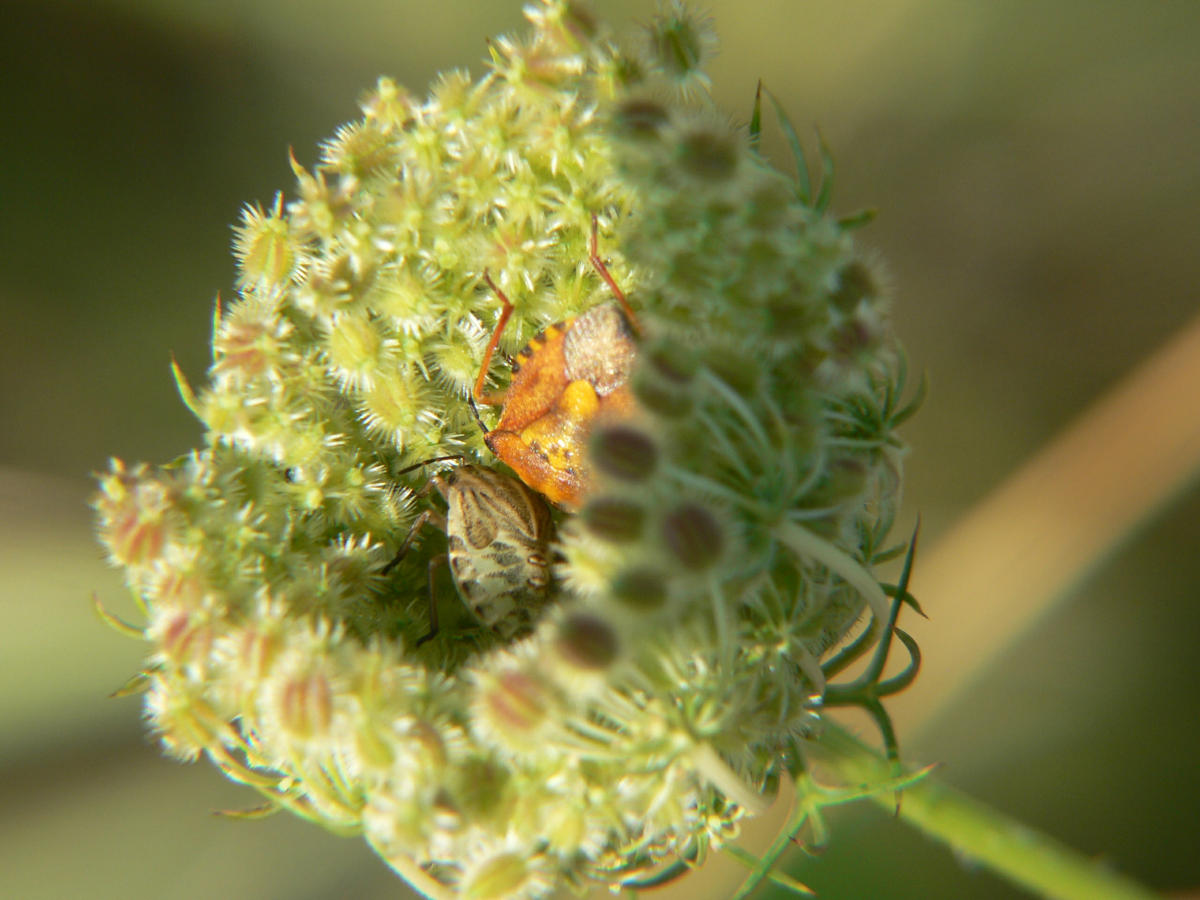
722, 549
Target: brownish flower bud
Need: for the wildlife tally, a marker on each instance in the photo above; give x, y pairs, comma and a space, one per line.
693, 536
587, 642
624, 452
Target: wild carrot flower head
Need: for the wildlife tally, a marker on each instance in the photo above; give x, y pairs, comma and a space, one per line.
722, 545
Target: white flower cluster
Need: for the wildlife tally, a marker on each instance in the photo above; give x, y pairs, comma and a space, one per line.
731, 476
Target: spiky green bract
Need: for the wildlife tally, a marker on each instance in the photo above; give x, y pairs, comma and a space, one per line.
725, 544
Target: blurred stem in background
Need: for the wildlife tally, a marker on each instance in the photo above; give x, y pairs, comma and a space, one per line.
1007, 563
1022, 549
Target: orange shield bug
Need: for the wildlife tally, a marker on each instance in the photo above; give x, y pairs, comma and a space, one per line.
567, 377
498, 533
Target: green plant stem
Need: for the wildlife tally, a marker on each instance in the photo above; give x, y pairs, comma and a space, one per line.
1013, 850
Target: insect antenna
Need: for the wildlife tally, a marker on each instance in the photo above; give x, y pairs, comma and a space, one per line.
431, 459
478, 418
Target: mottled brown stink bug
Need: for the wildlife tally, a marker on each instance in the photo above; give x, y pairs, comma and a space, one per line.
569, 376
498, 533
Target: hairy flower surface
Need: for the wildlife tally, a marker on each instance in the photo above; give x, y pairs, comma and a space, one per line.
723, 544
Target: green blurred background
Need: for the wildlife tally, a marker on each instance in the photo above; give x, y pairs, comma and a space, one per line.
1037, 168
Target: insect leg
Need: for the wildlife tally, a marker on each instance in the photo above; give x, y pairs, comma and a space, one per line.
428, 517
594, 256
434, 563
492, 399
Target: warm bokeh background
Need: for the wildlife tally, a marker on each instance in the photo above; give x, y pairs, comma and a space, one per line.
1037, 166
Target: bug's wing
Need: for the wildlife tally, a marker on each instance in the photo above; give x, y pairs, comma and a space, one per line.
472, 515
599, 348
507, 505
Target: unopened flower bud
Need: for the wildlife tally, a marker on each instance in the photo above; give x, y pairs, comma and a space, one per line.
587, 642
624, 452
693, 535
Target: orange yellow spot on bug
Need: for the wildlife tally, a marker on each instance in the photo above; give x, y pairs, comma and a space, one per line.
565, 379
